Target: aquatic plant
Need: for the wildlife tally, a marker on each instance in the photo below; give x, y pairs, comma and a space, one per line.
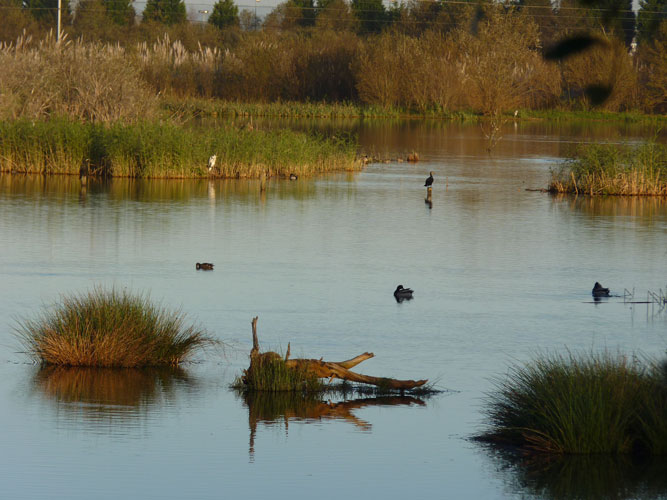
271, 373
165, 150
110, 328
596, 403
609, 169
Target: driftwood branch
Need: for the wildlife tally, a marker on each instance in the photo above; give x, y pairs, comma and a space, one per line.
331, 369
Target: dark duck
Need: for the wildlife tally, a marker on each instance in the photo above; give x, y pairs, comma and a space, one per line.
600, 291
204, 266
401, 294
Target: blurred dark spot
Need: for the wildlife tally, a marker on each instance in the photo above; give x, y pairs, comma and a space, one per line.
477, 18
571, 46
598, 94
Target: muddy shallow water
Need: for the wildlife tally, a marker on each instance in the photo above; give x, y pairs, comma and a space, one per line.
499, 274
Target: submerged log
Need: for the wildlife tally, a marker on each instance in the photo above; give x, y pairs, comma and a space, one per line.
330, 369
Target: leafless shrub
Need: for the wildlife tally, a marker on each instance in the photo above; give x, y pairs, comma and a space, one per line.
607, 64
503, 69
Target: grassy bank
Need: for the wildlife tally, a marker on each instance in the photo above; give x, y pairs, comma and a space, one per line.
152, 149
192, 107
586, 404
563, 115
609, 169
108, 328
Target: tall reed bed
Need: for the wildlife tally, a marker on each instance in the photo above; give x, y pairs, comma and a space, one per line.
110, 328
587, 404
608, 169
151, 149
85, 81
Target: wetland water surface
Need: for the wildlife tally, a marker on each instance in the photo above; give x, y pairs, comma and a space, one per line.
499, 275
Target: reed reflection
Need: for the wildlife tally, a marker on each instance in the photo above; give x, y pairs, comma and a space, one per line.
70, 188
643, 209
270, 408
113, 396
584, 476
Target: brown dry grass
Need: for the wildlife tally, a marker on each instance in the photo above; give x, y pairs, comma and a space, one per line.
110, 329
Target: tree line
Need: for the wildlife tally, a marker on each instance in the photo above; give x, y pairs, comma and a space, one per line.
423, 54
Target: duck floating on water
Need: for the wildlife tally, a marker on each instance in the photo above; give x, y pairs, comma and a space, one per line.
600, 291
429, 180
204, 266
293, 177
401, 294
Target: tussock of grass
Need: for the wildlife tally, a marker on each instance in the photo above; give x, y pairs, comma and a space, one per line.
592, 404
271, 374
163, 150
608, 169
110, 328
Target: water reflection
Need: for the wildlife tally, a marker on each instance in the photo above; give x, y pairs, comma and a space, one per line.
585, 476
270, 408
642, 209
108, 395
36, 187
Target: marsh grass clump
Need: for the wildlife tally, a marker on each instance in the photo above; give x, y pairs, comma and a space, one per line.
592, 404
163, 150
271, 374
110, 328
610, 169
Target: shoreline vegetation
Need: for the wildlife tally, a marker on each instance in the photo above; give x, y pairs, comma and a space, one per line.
167, 150
189, 108
140, 110
589, 404
110, 328
610, 169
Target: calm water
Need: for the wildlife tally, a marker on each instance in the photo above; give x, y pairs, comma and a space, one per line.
500, 274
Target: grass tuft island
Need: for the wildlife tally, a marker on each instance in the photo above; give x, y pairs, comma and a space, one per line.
110, 328
590, 404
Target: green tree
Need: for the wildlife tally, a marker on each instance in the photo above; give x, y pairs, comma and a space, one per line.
225, 13
120, 12
165, 11
307, 11
46, 11
651, 14
371, 14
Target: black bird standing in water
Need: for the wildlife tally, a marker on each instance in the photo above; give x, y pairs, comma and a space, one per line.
429, 180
